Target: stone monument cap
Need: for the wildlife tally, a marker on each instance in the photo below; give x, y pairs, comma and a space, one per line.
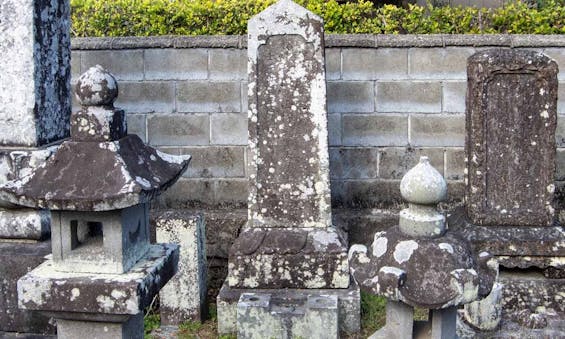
423, 184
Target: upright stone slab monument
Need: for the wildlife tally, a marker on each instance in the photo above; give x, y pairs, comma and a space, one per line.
289, 241
510, 152
35, 106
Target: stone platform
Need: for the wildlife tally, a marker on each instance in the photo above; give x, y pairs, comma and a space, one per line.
348, 304
47, 290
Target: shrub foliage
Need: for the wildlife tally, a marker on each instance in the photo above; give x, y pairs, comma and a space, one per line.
209, 17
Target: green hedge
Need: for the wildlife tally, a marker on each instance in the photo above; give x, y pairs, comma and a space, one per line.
203, 17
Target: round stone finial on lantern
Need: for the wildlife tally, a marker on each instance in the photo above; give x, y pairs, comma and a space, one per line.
423, 187
96, 87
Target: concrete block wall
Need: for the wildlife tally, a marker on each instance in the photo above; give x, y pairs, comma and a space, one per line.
390, 100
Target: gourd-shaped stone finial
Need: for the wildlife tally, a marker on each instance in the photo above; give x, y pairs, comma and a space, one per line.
423, 187
96, 87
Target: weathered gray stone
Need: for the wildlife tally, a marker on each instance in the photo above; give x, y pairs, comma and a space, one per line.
100, 242
348, 305
444, 323
17, 260
315, 316
485, 314
511, 120
399, 322
24, 224
288, 258
130, 329
184, 297
35, 100
46, 289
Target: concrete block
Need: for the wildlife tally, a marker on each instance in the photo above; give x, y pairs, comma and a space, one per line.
72, 329
232, 192
557, 54
228, 64
454, 96
176, 64
184, 296
354, 163
25, 224
439, 63
437, 130
178, 129
137, 124
560, 131
372, 64
75, 65
350, 96
333, 64
215, 162
261, 316
454, 163
188, 193
228, 129
244, 98
364, 193
205, 96
125, 65
334, 129
394, 162
560, 164
145, 97
374, 130
408, 96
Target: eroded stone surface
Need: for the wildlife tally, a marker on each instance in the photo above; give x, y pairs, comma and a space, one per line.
46, 289
288, 258
184, 297
35, 99
289, 163
120, 174
510, 145
430, 273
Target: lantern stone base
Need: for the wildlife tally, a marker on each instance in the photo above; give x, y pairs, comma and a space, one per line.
102, 301
231, 310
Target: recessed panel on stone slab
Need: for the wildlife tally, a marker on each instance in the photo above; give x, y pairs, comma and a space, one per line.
288, 258
130, 329
510, 146
288, 166
35, 96
46, 289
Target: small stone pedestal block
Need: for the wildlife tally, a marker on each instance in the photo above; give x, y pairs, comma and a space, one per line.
315, 317
184, 296
104, 271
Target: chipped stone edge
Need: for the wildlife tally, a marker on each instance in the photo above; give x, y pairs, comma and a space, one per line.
332, 40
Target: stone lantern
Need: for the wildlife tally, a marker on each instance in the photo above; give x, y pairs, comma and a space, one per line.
419, 263
98, 184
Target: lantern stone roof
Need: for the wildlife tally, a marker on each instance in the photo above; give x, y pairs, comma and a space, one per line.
101, 168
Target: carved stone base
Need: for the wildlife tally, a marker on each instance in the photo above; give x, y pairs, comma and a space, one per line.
348, 304
288, 258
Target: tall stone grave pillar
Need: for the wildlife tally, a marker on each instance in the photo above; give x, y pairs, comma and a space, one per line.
510, 151
35, 106
289, 242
